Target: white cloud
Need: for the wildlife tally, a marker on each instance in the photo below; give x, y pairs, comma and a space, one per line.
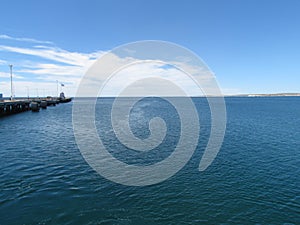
3, 36
134, 72
7, 75
69, 67
66, 66
34, 89
3, 62
53, 69
55, 54
151, 77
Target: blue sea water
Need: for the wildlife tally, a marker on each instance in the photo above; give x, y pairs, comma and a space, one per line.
255, 179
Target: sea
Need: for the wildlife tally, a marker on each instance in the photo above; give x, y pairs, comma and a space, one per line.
254, 179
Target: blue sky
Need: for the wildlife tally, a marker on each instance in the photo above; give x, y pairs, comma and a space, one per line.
251, 46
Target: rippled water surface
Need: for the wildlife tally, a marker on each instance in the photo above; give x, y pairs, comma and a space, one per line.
255, 178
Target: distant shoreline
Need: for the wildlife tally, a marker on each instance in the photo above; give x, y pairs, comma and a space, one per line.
266, 95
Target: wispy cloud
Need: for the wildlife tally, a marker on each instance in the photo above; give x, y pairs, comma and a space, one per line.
54, 69
152, 77
7, 37
2, 62
55, 54
33, 89
44, 63
133, 73
7, 75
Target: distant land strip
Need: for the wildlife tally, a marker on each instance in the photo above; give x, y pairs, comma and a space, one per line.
266, 95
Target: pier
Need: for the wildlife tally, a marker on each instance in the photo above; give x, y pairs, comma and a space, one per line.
18, 105
9, 107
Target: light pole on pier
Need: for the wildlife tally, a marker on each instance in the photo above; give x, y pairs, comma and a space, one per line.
11, 85
56, 88
27, 91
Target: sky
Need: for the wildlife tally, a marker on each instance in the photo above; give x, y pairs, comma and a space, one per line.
251, 46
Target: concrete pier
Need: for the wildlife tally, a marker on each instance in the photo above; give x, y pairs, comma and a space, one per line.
12, 107
8, 107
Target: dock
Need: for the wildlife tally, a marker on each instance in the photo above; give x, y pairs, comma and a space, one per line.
10, 107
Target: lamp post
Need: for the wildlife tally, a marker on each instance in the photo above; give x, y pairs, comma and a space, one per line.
27, 92
57, 88
11, 86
